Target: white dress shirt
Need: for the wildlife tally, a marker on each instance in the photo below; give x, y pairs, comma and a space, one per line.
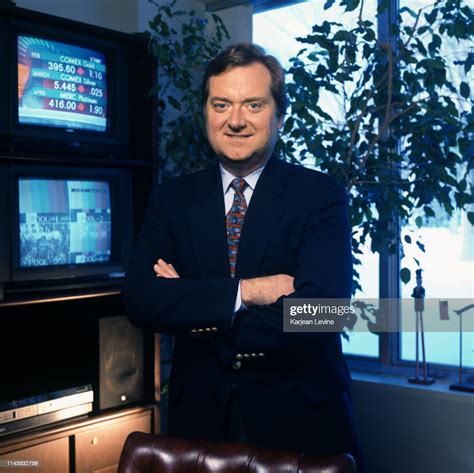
229, 193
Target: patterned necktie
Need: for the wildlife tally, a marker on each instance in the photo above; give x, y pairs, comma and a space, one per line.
235, 219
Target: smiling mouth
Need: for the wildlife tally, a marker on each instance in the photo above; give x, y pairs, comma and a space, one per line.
238, 136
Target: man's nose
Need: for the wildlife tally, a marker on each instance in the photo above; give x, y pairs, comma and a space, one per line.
236, 119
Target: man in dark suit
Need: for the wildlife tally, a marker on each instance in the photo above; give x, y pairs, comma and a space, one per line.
219, 250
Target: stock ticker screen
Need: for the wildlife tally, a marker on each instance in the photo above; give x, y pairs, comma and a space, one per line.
61, 85
64, 222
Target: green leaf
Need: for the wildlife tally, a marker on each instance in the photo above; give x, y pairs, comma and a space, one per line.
405, 275
421, 47
436, 64
469, 62
350, 5
174, 103
431, 17
459, 29
321, 71
341, 36
333, 58
409, 11
328, 4
435, 43
370, 35
420, 246
465, 90
428, 211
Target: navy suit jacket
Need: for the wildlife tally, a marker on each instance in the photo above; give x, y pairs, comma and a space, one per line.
297, 224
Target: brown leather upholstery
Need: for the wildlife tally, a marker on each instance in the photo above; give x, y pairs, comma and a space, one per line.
147, 453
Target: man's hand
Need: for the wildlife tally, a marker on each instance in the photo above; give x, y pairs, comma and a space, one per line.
165, 270
266, 290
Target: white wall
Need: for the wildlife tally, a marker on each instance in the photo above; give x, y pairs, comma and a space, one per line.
406, 429
114, 14
238, 21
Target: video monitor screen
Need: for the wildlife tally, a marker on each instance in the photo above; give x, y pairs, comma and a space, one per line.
64, 222
61, 85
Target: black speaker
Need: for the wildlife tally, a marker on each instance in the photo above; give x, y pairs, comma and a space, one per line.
121, 362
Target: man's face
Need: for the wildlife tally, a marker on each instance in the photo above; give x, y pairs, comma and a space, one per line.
241, 118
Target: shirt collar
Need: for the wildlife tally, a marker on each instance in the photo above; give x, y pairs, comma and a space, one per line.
251, 179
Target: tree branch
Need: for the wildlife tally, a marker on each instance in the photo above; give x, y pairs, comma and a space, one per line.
413, 31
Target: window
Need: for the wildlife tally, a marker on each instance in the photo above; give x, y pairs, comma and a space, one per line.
448, 262
286, 24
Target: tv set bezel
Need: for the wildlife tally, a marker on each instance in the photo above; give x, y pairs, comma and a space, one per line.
5, 224
116, 137
120, 185
4, 77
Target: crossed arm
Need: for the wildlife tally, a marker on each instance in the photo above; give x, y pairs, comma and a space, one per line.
175, 305
255, 291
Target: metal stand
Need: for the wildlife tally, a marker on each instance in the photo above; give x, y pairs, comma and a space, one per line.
467, 385
419, 294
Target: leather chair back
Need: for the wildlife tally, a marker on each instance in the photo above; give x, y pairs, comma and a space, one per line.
147, 453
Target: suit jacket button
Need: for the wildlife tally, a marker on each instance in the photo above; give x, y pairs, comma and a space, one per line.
239, 356
253, 355
236, 365
246, 355
208, 329
261, 355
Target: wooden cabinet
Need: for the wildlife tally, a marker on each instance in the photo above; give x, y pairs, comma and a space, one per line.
98, 450
51, 457
88, 446
62, 347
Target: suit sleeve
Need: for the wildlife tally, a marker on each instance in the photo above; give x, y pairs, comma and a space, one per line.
171, 306
323, 270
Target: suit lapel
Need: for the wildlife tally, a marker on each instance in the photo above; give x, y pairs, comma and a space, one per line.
261, 219
208, 228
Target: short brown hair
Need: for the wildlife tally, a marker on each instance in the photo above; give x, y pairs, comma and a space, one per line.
245, 54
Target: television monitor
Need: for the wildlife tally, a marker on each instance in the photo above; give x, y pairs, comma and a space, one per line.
61, 85
64, 221
68, 90
69, 223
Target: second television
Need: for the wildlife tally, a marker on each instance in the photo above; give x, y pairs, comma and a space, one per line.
67, 224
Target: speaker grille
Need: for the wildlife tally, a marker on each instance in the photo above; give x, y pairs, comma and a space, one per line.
121, 362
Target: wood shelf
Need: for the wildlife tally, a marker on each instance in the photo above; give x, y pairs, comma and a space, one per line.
70, 427
62, 297
71, 159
